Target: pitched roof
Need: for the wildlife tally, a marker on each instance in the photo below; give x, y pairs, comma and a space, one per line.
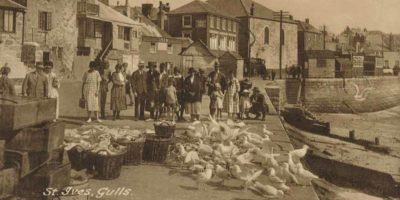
307, 27
233, 54
241, 8
11, 4
198, 6
320, 54
204, 46
107, 13
149, 28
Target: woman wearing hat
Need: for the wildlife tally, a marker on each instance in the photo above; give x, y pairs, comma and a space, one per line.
259, 106
231, 101
118, 95
193, 94
91, 91
53, 84
6, 85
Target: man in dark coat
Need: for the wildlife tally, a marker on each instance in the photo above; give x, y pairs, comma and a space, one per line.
105, 74
35, 83
153, 89
193, 94
215, 77
139, 88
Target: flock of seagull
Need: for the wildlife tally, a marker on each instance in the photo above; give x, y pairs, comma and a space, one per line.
228, 150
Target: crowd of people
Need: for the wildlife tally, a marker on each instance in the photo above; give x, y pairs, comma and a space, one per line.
167, 94
41, 83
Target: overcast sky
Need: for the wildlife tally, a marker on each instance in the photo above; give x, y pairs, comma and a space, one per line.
381, 15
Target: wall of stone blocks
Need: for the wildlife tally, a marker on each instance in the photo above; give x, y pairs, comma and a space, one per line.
270, 52
338, 95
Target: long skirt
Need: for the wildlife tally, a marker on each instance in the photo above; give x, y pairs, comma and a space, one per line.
92, 100
231, 103
118, 98
193, 108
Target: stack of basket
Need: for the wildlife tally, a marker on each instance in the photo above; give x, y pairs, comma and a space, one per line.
156, 147
34, 155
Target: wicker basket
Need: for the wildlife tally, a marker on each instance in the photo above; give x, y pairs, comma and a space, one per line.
134, 149
156, 149
108, 167
79, 158
164, 129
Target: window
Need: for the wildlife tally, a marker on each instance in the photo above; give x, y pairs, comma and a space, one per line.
170, 49
234, 26
397, 63
321, 63
60, 52
229, 23
282, 37
266, 35
45, 21
153, 48
212, 22
186, 34
218, 23
7, 21
135, 34
124, 33
187, 21
232, 44
222, 42
98, 30
213, 41
188, 61
386, 63
223, 24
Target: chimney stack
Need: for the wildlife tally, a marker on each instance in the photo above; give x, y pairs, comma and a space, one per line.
252, 9
161, 15
127, 3
291, 17
307, 21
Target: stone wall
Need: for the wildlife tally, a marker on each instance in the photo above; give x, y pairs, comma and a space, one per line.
270, 52
10, 49
338, 95
61, 40
315, 71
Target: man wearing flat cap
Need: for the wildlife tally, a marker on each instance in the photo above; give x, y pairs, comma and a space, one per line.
216, 77
153, 88
139, 89
35, 83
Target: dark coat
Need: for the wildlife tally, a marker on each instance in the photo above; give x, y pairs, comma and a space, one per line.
35, 85
139, 82
193, 91
153, 85
6, 87
216, 77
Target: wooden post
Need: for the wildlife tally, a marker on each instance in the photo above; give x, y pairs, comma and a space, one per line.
352, 135
377, 141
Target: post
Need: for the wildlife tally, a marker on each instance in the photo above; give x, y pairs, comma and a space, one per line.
324, 35
352, 135
280, 45
23, 28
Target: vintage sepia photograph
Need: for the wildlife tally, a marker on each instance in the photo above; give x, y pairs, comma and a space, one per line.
199, 99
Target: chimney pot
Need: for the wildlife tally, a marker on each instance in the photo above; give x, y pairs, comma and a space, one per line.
252, 9
307, 20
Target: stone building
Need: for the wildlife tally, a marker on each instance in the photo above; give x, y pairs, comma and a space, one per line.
105, 34
11, 37
53, 31
320, 64
156, 45
259, 33
309, 38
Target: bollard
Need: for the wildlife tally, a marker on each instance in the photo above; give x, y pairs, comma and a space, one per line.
377, 142
352, 135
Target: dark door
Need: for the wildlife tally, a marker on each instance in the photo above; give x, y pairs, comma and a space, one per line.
46, 57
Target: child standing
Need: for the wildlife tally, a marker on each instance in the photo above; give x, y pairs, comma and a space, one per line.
171, 99
244, 105
217, 102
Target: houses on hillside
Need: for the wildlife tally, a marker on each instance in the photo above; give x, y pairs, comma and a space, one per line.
244, 36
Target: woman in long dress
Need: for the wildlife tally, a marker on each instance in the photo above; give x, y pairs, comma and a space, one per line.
91, 90
118, 92
53, 84
232, 96
193, 95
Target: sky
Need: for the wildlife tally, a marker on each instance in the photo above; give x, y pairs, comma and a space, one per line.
383, 15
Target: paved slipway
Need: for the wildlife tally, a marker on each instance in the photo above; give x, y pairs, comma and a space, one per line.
157, 182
